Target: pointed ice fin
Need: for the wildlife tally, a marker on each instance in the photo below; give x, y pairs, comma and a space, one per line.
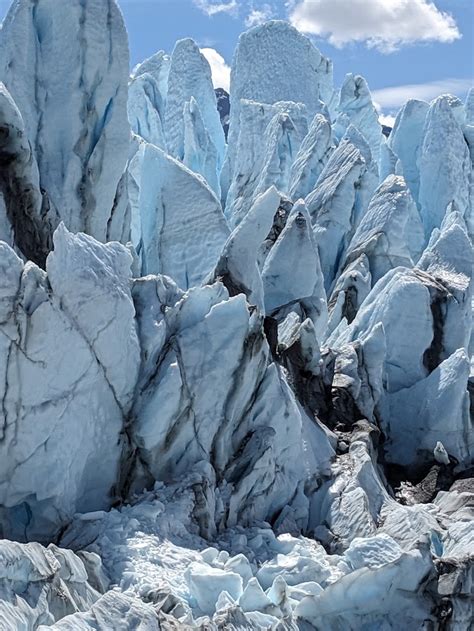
190, 76
340, 199
444, 164
237, 266
200, 154
66, 64
292, 276
182, 226
356, 108
405, 141
312, 156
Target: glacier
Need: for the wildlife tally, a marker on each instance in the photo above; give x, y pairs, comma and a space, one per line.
75, 118
236, 378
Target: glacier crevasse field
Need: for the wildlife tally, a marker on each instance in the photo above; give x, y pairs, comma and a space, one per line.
235, 377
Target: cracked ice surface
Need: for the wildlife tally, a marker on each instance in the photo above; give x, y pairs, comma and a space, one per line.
72, 94
236, 381
74, 310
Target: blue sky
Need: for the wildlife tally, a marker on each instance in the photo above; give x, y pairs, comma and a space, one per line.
404, 48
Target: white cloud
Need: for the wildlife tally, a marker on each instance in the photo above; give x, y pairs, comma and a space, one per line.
259, 16
395, 97
387, 119
210, 7
382, 24
220, 70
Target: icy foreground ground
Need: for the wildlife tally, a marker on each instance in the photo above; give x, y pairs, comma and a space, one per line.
235, 379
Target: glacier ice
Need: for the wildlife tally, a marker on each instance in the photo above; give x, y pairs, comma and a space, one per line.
267, 69
158, 66
340, 198
444, 165
292, 277
236, 379
146, 109
268, 142
468, 129
180, 225
190, 77
24, 216
238, 266
147, 94
405, 141
436, 407
355, 107
311, 158
41, 585
200, 153
76, 308
267, 66
75, 111
390, 234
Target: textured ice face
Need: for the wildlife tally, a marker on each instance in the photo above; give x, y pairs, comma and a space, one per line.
356, 108
41, 585
268, 143
247, 414
390, 234
340, 199
146, 104
255, 451
292, 277
405, 141
59, 336
311, 158
158, 66
72, 94
190, 77
273, 63
444, 164
179, 227
22, 216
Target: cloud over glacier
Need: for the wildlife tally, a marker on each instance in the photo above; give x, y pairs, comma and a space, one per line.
259, 15
380, 24
219, 68
395, 96
212, 8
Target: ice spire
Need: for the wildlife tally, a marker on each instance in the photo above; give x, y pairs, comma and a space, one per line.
267, 68
406, 139
356, 108
312, 156
340, 199
190, 76
444, 164
66, 66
